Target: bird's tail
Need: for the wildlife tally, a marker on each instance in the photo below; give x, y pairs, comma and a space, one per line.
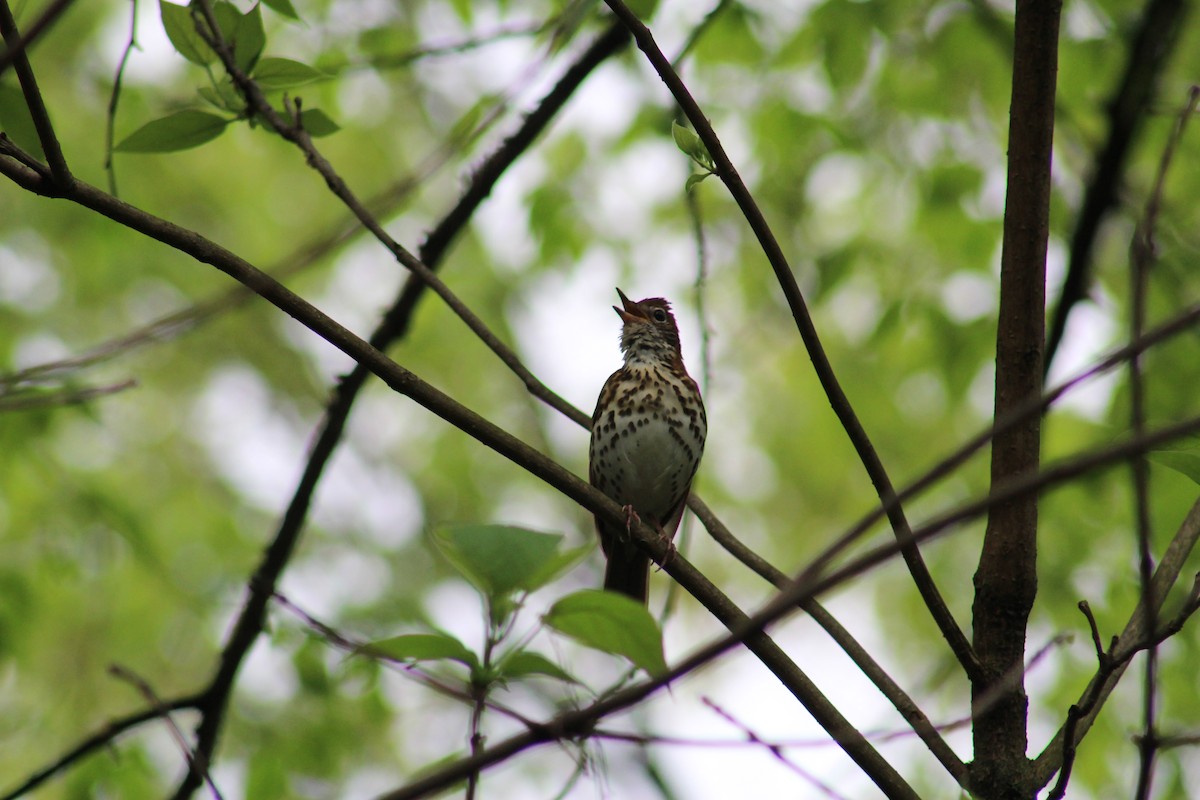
628, 572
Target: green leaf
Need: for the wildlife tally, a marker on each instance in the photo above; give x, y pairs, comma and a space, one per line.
284, 73
181, 30
613, 623
689, 143
695, 179
560, 563
317, 123
16, 121
1185, 462
249, 39
179, 131
228, 20
500, 559
309, 662
422, 647
224, 95
283, 8
523, 663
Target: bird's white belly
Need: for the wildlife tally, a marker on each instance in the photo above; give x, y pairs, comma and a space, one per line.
650, 474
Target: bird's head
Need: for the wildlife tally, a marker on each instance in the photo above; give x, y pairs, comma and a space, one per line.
649, 332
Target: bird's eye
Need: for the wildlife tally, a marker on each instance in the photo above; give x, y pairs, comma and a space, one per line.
659, 315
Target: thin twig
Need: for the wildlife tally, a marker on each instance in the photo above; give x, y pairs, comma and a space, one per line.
1143, 254
12, 51
393, 325
1086, 609
808, 333
355, 648
806, 586
1059, 755
101, 739
33, 97
1151, 46
445, 48
775, 751
114, 98
148, 693
38, 400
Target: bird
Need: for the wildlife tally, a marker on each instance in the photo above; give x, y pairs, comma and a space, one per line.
648, 434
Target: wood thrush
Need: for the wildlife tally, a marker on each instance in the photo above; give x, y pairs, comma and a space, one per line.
647, 437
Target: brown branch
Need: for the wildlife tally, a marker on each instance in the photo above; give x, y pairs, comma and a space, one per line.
31, 400
774, 750
1059, 754
1006, 579
114, 98
512, 448
899, 699
33, 97
100, 739
1152, 43
393, 326
808, 334
147, 691
804, 587
15, 50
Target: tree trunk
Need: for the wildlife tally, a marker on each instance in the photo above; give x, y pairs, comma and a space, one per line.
1006, 580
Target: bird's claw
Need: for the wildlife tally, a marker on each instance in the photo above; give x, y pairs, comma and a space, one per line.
671, 550
631, 519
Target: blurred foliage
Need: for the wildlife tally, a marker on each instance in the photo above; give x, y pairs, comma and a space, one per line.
873, 137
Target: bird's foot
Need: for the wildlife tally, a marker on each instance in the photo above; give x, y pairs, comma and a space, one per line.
631, 519
669, 543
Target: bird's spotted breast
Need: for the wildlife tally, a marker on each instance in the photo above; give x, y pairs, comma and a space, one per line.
647, 437
645, 453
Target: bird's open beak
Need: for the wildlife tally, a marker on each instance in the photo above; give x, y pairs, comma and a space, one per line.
632, 312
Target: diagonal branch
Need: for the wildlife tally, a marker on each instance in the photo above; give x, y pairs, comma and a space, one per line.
393, 326
101, 739
293, 131
899, 699
1136, 635
1152, 44
852, 741
33, 96
808, 333
806, 586
16, 49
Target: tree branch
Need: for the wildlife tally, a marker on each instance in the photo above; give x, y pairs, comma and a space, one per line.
101, 738
33, 96
393, 326
1006, 579
15, 50
1151, 45
1059, 754
806, 586
808, 333
899, 699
